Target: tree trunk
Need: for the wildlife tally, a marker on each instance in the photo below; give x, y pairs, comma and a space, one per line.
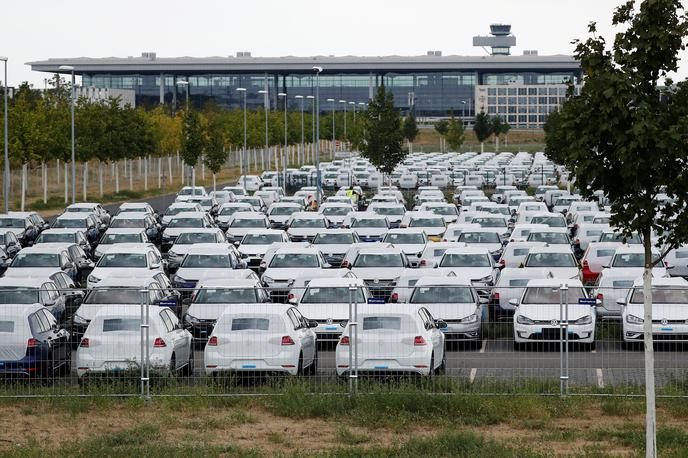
23, 186
482, 147
193, 179
66, 180
116, 177
650, 410
125, 167
506, 139
145, 173
85, 181
131, 175
262, 158
140, 165
214, 183
100, 179
57, 169
169, 167
497, 143
183, 175
159, 172
202, 168
44, 179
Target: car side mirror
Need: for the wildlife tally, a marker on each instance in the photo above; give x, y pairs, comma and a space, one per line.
102, 227
312, 323
669, 267
154, 266
293, 301
327, 265
514, 302
441, 324
606, 266
48, 302
621, 301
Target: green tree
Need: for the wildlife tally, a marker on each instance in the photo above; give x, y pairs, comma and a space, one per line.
193, 140
215, 147
382, 137
410, 130
441, 127
482, 129
498, 128
627, 134
455, 133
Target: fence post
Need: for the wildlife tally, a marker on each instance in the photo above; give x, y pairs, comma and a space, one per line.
352, 288
563, 340
147, 347
143, 345
355, 341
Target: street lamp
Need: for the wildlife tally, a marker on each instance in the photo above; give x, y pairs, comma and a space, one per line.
463, 108
353, 104
6, 180
316, 110
284, 153
333, 126
243, 153
267, 140
312, 99
300, 97
69, 68
185, 84
344, 102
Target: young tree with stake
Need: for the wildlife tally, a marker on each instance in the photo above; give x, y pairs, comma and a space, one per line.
410, 130
482, 129
627, 134
455, 133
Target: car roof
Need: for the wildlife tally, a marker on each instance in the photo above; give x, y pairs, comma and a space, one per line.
130, 248
62, 230
124, 230
83, 205
406, 230
46, 248
308, 215
200, 230
231, 283
25, 281
551, 249
381, 250
207, 248
468, 250
123, 281
196, 215
130, 215
444, 280
663, 281
336, 281
515, 272
251, 309
74, 215
554, 282
297, 249
248, 215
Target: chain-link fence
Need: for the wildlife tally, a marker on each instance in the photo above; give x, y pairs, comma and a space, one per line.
440, 336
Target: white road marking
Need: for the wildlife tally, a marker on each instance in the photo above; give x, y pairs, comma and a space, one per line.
600, 379
484, 346
472, 376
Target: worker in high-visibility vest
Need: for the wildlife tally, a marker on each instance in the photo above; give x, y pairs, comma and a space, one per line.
353, 195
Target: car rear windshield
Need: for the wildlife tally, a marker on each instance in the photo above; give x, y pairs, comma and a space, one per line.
79, 210
616, 237
551, 295
465, 260
55, 238
332, 295
249, 222
333, 239
114, 295
176, 210
36, 260
479, 237
7, 326
662, 295
122, 324
121, 223
390, 211
550, 260
65, 223
605, 253
253, 324
519, 282
308, 222
407, 239
368, 222
629, 260
337, 211
281, 211
441, 295
490, 222
554, 238
283, 260
190, 238
426, 222
444, 210
122, 260
186, 222
18, 295
261, 239
371, 323
521, 251
207, 261
379, 260
111, 239
551, 221
226, 211
133, 210
226, 296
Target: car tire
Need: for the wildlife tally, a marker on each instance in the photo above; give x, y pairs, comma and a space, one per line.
313, 368
442, 368
173, 365
299, 369
187, 371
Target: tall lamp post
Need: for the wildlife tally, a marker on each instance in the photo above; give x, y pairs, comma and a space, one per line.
312, 99
316, 110
243, 153
6, 179
69, 68
300, 97
185, 85
333, 127
266, 107
344, 102
284, 153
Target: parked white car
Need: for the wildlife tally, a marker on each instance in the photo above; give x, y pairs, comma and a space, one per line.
255, 244
510, 285
557, 259
241, 223
304, 226
380, 268
132, 260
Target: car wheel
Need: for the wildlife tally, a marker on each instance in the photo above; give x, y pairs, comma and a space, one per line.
173, 365
432, 371
187, 371
442, 369
299, 369
313, 368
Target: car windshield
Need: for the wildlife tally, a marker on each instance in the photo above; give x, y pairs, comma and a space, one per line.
550, 260
379, 260
283, 260
114, 295
551, 295
283, 211
605, 253
551, 221
601, 220
256, 202
261, 239
122, 324
207, 261
241, 295
111, 239
55, 238
18, 295
336, 211
67, 223
122, 260
390, 211
553, 238
249, 222
629, 260
426, 222
489, 222
407, 239
133, 210
479, 237
119, 223
465, 260
333, 239
307, 223
618, 237
371, 323
190, 238
190, 192
250, 324
79, 210
441, 295
368, 222
445, 210
186, 222
36, 260
332, 295
563, 202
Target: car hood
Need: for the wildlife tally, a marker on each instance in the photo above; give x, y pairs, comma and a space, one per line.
550, 312
378, 273
253, 250
175, 231
278, 218
290, 273
473, 273
671, 312
211, 311
491, 247
43, 272
451, 311
411, 249
330, 249
324, 311
181, 249
432, 230
239, 231
304, 231
371, 231
104, 272
196, 273
88, 311
558, 272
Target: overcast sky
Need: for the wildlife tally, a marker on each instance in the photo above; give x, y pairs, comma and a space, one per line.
40, 29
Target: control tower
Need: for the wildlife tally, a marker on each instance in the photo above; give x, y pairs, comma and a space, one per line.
500, 40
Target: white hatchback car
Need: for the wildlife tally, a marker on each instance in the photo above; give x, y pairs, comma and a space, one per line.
130, 259
405, 339
272, 338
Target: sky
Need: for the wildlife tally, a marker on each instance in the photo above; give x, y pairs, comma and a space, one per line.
40, 29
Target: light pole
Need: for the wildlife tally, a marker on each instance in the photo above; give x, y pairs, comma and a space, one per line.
344, 102
265, 108
312, 99
71, 69
243, 153
353, 104
316, 110
185, 85
284, 153
333, 127
6, 180
300, 97
463, 108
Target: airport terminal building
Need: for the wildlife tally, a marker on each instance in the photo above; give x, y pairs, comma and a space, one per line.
523, 89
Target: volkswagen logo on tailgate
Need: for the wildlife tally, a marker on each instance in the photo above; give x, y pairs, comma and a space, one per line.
554, 323
665, 321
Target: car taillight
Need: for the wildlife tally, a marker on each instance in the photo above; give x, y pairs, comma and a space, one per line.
423, 262
666, 264
159, 343
290, 296
212, 341
495, 296
600, 296
502, 262
344, 340
585, 264
84, 343
577, 242
419, 340
345, 264
394, 297
287, 340
32, 343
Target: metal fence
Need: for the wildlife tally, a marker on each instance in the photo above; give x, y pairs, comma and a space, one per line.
367, 340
